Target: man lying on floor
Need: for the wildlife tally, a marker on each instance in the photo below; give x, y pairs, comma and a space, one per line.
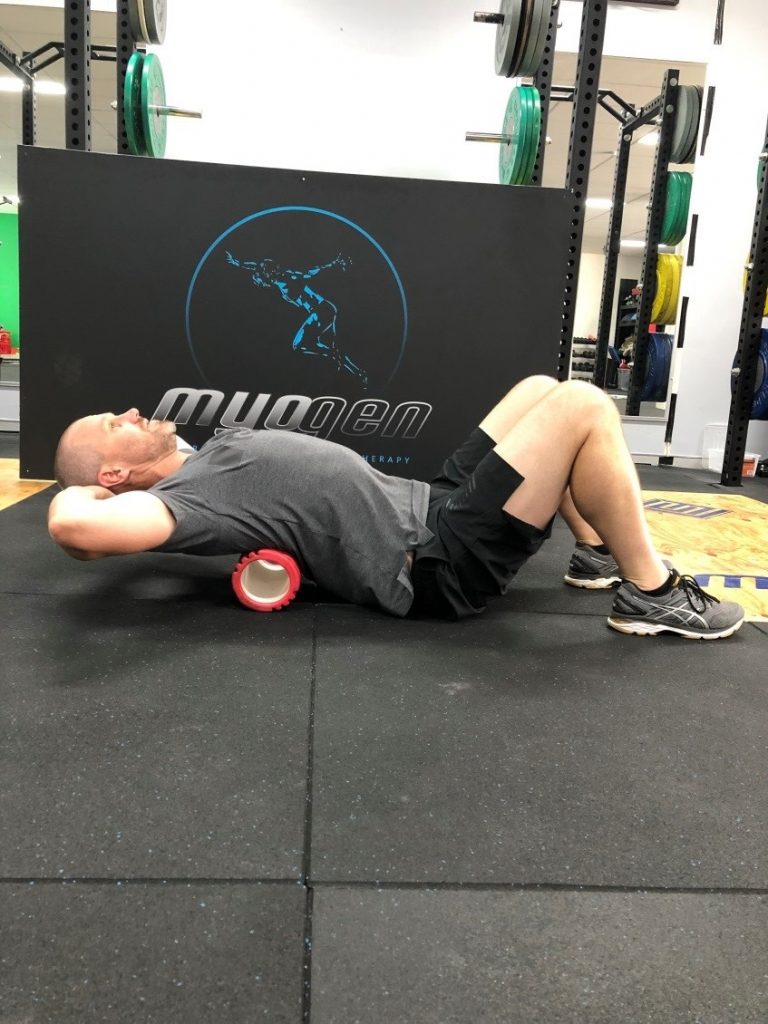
441, 549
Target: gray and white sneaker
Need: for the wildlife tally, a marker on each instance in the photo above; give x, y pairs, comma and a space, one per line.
685, 609
588, 568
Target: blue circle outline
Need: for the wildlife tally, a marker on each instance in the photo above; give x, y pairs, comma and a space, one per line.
295, 209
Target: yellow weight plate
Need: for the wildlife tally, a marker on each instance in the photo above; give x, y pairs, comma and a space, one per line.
662, 290
744, 282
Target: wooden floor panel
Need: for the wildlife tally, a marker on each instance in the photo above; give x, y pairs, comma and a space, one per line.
722, 539
12, 489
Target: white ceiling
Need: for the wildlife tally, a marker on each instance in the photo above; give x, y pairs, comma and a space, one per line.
25, 28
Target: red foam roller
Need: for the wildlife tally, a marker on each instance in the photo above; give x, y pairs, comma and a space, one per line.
266, 580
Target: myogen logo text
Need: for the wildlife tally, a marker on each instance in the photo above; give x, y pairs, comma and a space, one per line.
319, 416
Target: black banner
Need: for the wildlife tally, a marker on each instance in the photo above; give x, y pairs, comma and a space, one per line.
386, 314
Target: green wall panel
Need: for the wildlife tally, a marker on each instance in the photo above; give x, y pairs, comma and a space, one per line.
9, 274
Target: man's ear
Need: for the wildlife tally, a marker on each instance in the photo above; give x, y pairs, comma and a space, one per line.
112, 476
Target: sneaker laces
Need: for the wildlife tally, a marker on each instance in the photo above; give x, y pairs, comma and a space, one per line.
697, 598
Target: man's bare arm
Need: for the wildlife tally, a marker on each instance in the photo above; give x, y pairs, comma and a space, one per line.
91, 522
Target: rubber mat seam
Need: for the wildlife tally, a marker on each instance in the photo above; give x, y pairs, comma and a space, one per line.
307, 863
545, 887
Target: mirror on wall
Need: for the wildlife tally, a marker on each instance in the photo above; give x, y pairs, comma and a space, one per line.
637, 82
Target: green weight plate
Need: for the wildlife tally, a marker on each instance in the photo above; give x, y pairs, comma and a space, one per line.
521, 121
511, 128
522, 175
525, 136
132, 105
671, 210
506, 36
537, 38
676, 214
153, 94
535, 134
685, 206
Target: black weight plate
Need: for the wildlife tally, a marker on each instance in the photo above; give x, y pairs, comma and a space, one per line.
533, 50
681, 132
135, 19
506, 36
759, 409
526, 24
156, 17
693, 134
699, 97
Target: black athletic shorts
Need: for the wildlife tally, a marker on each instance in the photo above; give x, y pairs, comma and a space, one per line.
477, 547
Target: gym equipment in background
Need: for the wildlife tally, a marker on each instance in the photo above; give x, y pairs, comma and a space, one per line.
145, 107
669, 272
760, 397
148, 20
266, 580
657, 368
520, 136
675, 224
521, 35
745, 281
686, 129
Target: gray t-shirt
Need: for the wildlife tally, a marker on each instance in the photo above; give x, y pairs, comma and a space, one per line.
347, 525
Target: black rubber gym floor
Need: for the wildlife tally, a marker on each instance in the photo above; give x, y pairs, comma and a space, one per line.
326, 814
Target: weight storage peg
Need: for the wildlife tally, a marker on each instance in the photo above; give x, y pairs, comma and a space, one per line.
145, 107
521, 35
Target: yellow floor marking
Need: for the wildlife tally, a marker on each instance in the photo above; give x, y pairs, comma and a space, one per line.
12, 489
734, 544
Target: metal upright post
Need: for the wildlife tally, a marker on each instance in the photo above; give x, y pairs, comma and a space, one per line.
12, 63
125, 48
579, 157
543, 82
77, 73
29, 115
613, 248
745, 370
667, 108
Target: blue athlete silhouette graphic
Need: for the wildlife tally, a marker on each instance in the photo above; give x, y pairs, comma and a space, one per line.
317, 334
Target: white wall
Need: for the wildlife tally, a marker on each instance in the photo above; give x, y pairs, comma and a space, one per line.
724, 196
381, 87
389, 87
374, 87
682, 33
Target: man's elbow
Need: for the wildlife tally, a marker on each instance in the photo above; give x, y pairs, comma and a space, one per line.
65, 534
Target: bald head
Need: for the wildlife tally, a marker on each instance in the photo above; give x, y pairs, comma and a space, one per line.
79, 456
121, 452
